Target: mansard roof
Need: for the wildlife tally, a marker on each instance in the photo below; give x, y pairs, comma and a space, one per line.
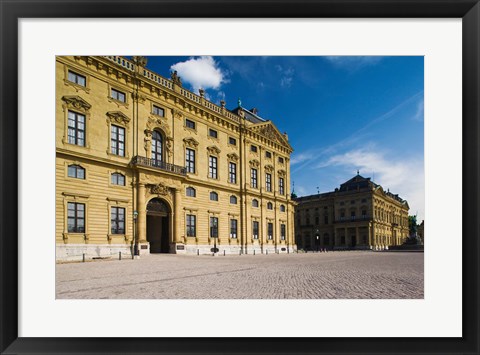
356, 183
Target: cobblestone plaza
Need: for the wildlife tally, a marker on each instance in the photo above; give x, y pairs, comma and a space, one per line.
333, 275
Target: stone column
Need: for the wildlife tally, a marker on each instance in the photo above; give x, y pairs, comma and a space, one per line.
142, 214
346, 236
177, 215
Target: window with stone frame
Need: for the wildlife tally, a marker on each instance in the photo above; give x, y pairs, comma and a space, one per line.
76, 171
75, 217
190, 192
76, 128
268, 182
191, 224
117, 140
232, 172
190, 160
253, 178
117, 179
117, 220
77, 78
255, 228
212, 167
233, 228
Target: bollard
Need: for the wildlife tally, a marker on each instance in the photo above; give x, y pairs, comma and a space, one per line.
119, 255
253, 251
198, 251
266, 251
240, 252
223, 252
83, 257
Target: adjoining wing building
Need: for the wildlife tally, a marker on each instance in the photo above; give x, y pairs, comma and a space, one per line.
143, 164
358, 215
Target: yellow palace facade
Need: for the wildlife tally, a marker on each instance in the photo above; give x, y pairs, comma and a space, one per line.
146, 166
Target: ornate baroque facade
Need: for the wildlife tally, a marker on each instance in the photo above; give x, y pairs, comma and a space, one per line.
143, 164
358, 215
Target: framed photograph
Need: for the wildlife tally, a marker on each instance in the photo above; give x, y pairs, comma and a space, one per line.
128, 134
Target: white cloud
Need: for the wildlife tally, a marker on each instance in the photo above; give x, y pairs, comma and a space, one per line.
286, 76
353, 63
419, 114
404, 176
298, 158
201, 73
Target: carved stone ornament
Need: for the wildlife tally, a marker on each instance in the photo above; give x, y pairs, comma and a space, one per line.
269, 131
118, 117
77, 103
154, 122
190, 142
254, 163
159, 189
268, 168
232, 157
213, 150
281, 172
176, 113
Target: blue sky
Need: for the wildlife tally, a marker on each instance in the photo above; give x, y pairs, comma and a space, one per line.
342, 114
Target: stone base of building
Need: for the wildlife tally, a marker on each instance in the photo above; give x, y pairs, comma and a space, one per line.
80, 252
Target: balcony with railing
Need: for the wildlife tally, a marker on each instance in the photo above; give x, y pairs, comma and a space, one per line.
157, 164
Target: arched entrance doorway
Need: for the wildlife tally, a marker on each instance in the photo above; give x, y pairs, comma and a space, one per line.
158, 226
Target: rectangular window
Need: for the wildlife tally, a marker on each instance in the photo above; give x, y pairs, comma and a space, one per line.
158, 111
213, 227
283, 230
232, 141
317, 220
326, 219
189, 124
77, 78
233, 228
212, 133
232, 173
255, 229
191, 225
352, 215
268, 182
76, 217
118, 140
268, 155
253, 148
190, 160
281, 187
118, 95
270, 231
212, 167
280, 160
76, 128
118, 220
254, 178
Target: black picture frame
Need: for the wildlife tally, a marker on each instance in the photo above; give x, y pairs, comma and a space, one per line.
12, 11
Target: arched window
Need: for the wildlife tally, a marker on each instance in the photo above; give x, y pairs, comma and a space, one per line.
269, 206
213, 196
233, 200
282, 208
76, 171
118, 179
157, 142
254, 203
191, 192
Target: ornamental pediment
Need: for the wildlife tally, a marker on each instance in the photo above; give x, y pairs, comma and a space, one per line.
213, 150
268, 130
254, 163
268, 168
77, 103
281, 172
118, 117
190, 142
154, 122
232, 157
